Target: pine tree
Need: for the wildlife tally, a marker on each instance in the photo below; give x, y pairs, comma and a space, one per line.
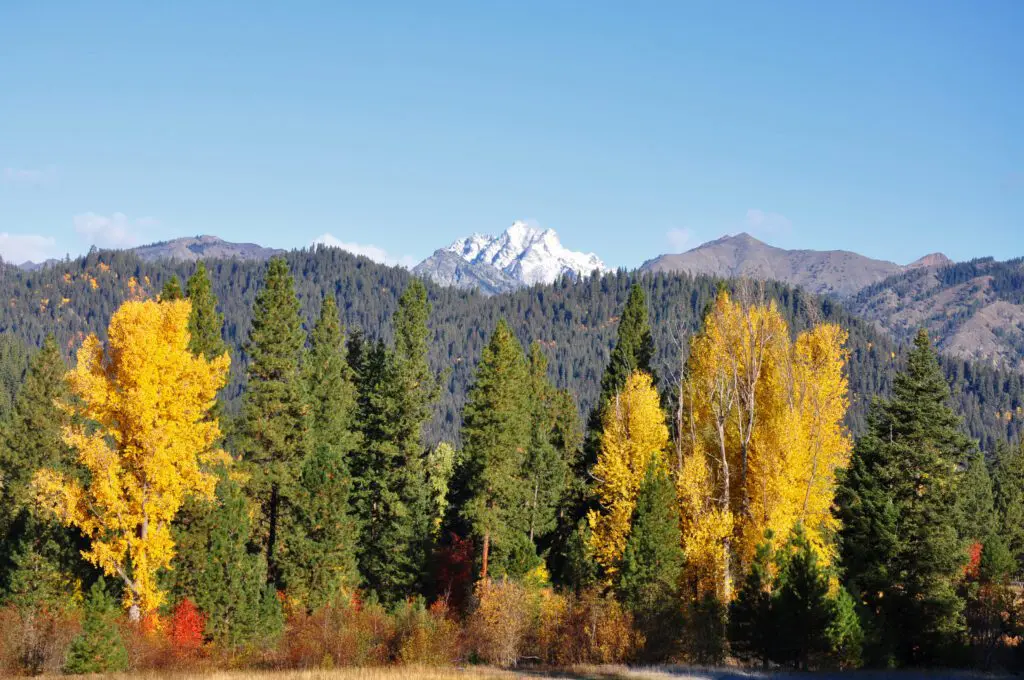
1008, 483
206, 324
652, 563
99, 647
215, 568
495, 441
274, 421
171, 290
392, 498
634, 347
752, 629
899, 539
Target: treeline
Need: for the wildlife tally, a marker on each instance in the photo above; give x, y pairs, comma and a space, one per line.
718, 511
574, 321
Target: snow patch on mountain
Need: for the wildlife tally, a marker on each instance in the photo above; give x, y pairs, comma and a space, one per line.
527, 253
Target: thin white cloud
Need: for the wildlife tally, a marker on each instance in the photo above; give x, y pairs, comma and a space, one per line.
375, 253
30, 176
116, 231
679, 239
761, 222
21, 248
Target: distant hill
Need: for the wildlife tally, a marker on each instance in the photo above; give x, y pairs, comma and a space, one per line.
190, 249
973, 310
836, 272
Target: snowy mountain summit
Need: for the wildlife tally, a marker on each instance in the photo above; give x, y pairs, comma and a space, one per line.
527, 254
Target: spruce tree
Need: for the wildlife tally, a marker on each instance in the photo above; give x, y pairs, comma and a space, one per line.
273, 429
1008, 483
171, 290
205, 325
898, 505
495, 441
634, 346
99, 647
323, 536
392, 497
652, 563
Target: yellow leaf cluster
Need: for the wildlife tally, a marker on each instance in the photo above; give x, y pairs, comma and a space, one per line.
634, 432
762, 437
141, 429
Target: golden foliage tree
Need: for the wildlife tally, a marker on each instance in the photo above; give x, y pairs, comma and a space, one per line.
760, 437
139, 429
634, 432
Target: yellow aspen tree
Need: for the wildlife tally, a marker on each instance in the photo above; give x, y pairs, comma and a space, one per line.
634, 432
761, 437
140, 430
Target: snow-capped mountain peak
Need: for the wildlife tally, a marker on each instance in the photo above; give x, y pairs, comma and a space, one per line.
527, 253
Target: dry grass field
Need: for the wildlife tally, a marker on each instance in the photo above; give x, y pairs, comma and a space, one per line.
577, 673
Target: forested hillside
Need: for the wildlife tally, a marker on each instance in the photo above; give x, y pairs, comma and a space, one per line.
574, 321
973, 310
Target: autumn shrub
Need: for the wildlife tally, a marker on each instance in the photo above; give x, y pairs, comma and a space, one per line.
185, 630
547, 632
146, 644
346, 632
497, 628
595, 629
425, 636
35, 641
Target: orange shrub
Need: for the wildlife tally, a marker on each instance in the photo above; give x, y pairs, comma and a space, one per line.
35, 641
345, 633
496, 630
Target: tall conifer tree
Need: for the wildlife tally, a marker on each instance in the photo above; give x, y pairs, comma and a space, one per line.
206, 324
1008, 487
495, 442
32, 441
274, 424
392, 496
322, 559
898, 504
171, 290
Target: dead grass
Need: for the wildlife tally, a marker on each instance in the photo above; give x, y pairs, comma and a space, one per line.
395, 673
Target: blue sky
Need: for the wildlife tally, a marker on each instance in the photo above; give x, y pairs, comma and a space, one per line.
632, 128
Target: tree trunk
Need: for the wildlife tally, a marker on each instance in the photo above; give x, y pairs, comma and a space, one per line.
487, 550
275, 502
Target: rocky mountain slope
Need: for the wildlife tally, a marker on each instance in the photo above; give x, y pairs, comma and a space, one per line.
836, 272
522, 255
973, 310
190, 249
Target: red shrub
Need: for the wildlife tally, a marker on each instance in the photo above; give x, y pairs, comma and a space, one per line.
454, 574
186, 629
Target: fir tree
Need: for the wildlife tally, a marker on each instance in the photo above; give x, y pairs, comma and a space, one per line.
440, 468
99, 647
652, 563
171, 290
206, 324
898, 507
274, 422
495, 441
